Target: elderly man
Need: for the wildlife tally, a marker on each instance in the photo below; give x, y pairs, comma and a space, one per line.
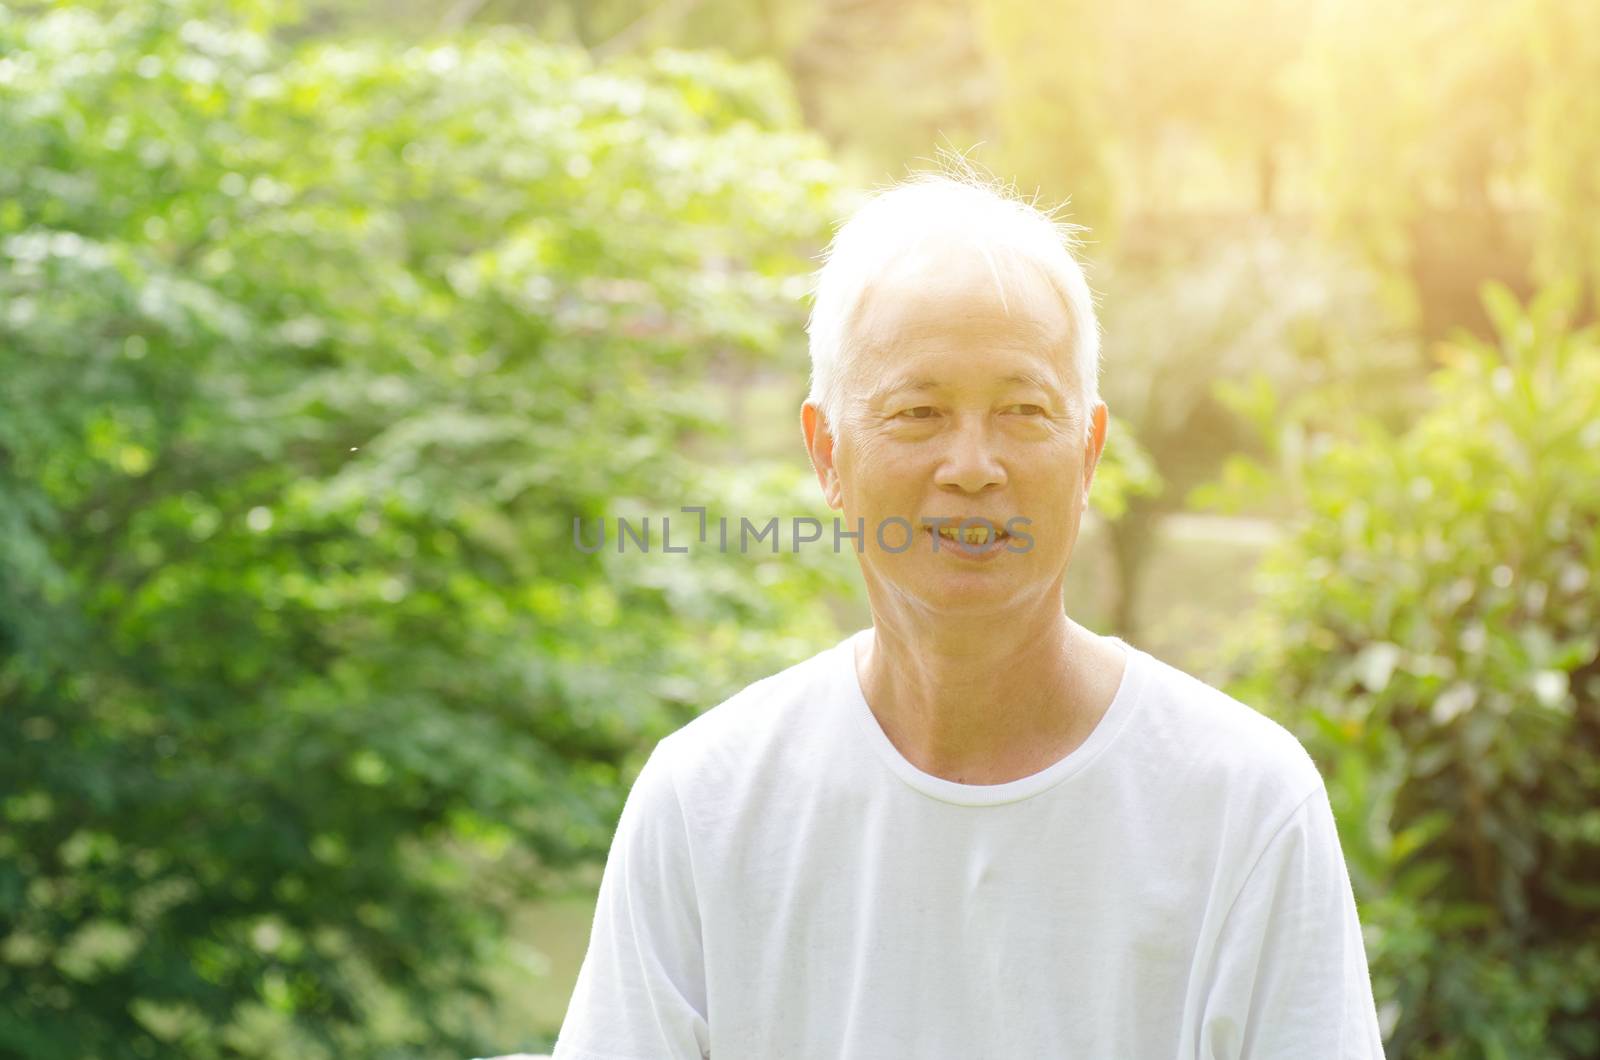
975, 829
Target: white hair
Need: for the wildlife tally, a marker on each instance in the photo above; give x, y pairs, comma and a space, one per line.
1011, 234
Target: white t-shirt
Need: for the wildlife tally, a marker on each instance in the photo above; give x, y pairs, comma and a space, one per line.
785, 885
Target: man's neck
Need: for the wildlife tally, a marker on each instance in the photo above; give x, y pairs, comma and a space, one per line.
991, 702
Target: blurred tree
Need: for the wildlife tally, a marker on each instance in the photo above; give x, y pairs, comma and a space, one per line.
312, 354
1183, 78
1431, 631
1049, 106
1423, 124
850, 60
1565, 150
888, 82
1253, 305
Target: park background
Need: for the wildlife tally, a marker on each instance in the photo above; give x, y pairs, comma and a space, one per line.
321, 322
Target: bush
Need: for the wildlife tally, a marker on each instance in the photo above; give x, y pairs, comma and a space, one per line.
1432, 630
311, 356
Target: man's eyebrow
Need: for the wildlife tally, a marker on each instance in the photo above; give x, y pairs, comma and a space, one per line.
1043, 382
890, 389
922, 385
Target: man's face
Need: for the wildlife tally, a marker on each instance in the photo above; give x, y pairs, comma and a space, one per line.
957, 409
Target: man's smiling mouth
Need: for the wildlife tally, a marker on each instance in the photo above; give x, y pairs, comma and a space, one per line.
970, 537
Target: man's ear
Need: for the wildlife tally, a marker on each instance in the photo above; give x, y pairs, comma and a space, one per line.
819, 445
1093, 445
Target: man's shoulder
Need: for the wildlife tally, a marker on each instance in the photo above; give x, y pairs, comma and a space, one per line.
1217, 743
765, 713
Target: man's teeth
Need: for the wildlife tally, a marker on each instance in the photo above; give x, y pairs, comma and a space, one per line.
974, 535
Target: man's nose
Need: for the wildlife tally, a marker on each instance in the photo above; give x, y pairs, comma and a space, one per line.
971, 461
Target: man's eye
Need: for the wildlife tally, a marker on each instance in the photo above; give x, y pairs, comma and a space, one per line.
1028, 410
921, 412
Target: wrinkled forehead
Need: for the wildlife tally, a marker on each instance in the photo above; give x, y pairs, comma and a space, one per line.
959, 293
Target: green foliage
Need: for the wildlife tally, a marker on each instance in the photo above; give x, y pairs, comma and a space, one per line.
1251, 302
1125, 472
1246, 301
1433, 629
1456, 144
311, 356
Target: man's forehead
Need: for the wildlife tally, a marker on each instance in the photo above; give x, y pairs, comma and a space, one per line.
896, 321
957, 298
888, 343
